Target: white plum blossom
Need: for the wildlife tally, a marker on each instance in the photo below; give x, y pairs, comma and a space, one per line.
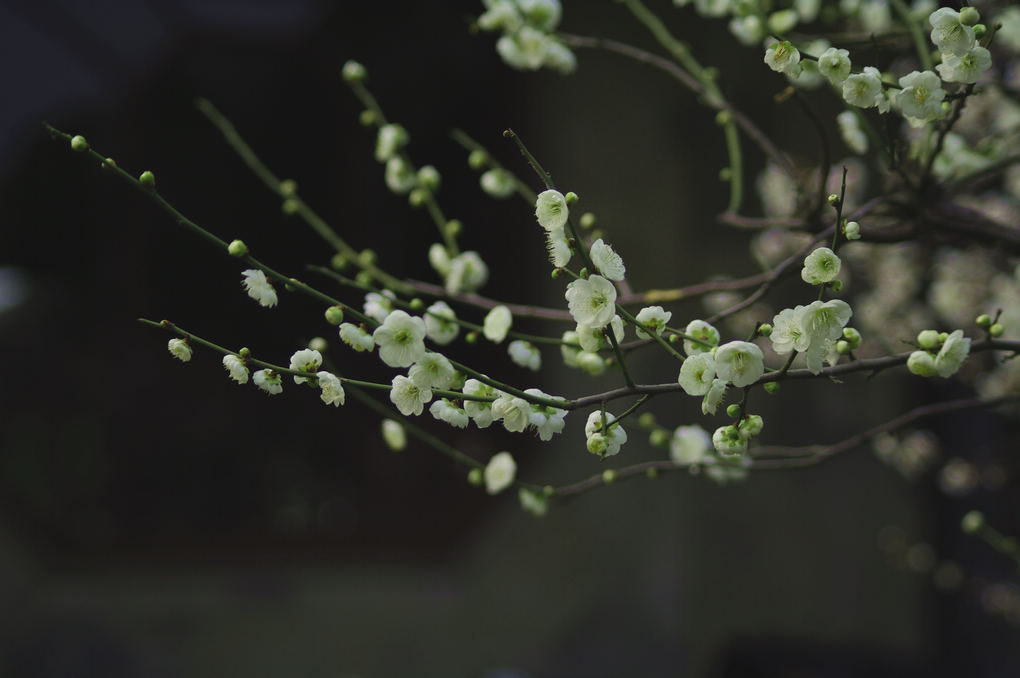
480, 411
607, 443
394, 435
467, 273
728, 441
444, 410
235, 368
258, 287
920, 100
332, 389
715, 396
922, 364
534, 503
593, 338
269, 381
389, 140
740, 363
514, 412
863, 89
378, 306
654, 319
749, 30
559, 58
431, 371
558, 247
704, 333
400, 339
783, 57
546, 420
952, 354
787, 334
408, 396
821, 266
497, 323
689, 445
499, 472
498, 183
607, 261
592, 301
591, 363
697, 374
356, 337
441, 323
834, 64
967, 68
948, 34
821, 322
305, 360
525, 354
179, 349
551, 210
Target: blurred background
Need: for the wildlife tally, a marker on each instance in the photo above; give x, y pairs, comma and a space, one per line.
158, 520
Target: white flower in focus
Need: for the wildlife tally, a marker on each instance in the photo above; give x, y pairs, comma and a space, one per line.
408, 396
498, 183
179, 349
952, 354
332, 389
654, 319
740, 363
592, 301
850, 129
834, 64
607, 261
594, 338
513, 411
394, 435
863, 89
525, 354
497, 324
821, 266
467, 273
305, 360
948, 34
440, 323
432, 370
235, 368
378, 306
480, 411
444, 410
783, 57
689, 445
558, 246
400, 177
821, 322
920, 100
356, 338
400, 339
703, 332
551, 210
697, 374
269, 381
715, 396
546, 420
787, 334
967, 68
728, 441
500, 472
258, 287
389, 140
609, 441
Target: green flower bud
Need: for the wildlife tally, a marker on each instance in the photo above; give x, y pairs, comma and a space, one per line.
843, 347
556, 273
675, 338
147, 179
833, 199
335, 315
608, 476
477, 159
928, 339
996, 330
475, 477
972, 522
290, 207
428, 178
338, 262
852, 336
366, 118
651, 472
288, 188
244, 353
548, 490
725, 174
416, 304
771, 386
417, 197
836, 285
571, 198
942, 337
922, 364
108, 163
723, 118
979, 30
364, 278
984, 320
646, 420
353, 71
765, 330
78, 144
318, 344
237, 248
733, 410
366, 257
291, 284
969, 16
454, 227
852, 230
471, 337
659, 437
587, 220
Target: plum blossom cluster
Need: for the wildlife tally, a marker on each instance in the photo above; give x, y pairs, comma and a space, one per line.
527, 41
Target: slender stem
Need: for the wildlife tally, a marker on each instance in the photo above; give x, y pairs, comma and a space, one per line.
619, 356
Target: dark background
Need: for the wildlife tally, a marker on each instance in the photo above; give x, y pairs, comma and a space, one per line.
158, 520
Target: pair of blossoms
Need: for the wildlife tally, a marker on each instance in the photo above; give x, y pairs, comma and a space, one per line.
920, 98
527, 42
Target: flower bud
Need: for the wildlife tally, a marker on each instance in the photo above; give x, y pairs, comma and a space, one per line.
338, 262
290, 207
471, 337
475, 477
733, 410
928, 339
364, 278
972, 522
108, 163
659, 437
335, 315
608, 476
984, 320
244, 353
477, 159
416, 304
353, 71
428, 178
922, 364
417, 197
842, 347
454, 227
980, 30
723, 118
969, 16
587, 220
366, 257
318, 344
852, 230
147, 179
646, 419
833, 199
765, 330
571, 198
996, 330
237, 248
78, 144
288, 188
852, 336
771, 386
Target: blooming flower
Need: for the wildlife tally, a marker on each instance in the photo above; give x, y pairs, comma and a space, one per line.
525, 354
480, 411
432, 370
783, 57
258, 287
269, 381
594, 338
863, 89
500, 15
653, 319
821, 266
378, 306
607, 261
525, 49
400, 339
697, 373
821, 322
497, 323
952, 354
467, 273
546, 420
179, 349
444, 410
500, 472
235, 368
592, 301
966, 68
408, 396
607, 441
787, 334
728, 441
305, 360
740, 363
689, 445
551, 210
834, 64
948, 34
440, 323
394, 435
356, 338
920, 100
715, 396
704, 333
332, 389
513, 411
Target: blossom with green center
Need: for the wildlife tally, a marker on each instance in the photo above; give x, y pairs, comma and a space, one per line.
408, 396
922, 364
952, 354
949, 34
432, 370
332, 389
607, 261
821, 266
740, 363
592, 302
269, 381
654, 319
514, 412
707, 336
546, 420
305, 360
444, 410
863, 89
821, 323
728, 441
480, 411
235, 368
179, 349
697, 374
920, 100
551, 210
401, 339
608, 441
783, 57
834, 64
967, 68
594, 338
441, 323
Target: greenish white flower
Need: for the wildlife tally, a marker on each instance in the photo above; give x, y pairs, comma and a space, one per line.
409, 398
439, 259
592, 301
920, 100
752, 425
269, 381
559, 57
748, 30
514, 412
654, 319
305, 360
431, 371
258, 287
400, 177
607, 261
949, 34
863, 89
378, 306
821, 266
401, 339
715, 397
441, 323
591, 363
689, 445
356, 337
952, 354
532, 502
542, 14
480, 411
703, 332
332, 389
179, 349
444, 410
783, 57
834, 64
922, 364
594, 338
394, 435
852, 230
546, 420
697, 374
500, 472
497, 323
728, 441
235, 368
740, 363
558, 246
787, 334
524, 49
821, 322
390, 139
525, 354
467, 274
967, 68
500, 15
608, 442
551, 210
